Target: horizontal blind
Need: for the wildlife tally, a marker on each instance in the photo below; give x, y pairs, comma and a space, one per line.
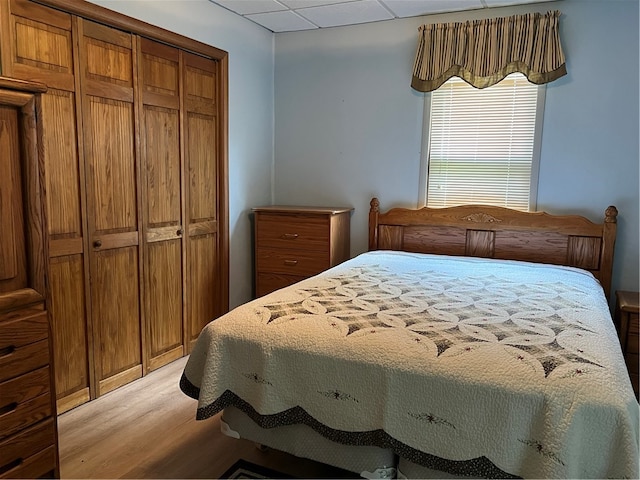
481, 143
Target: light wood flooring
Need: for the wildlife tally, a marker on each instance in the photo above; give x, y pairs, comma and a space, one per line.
147, 429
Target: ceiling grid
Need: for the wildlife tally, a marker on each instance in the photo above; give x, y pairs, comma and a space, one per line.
295, 15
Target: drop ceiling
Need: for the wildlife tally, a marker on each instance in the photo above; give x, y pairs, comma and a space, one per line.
295, 15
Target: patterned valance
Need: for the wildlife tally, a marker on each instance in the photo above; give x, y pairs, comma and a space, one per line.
483, 52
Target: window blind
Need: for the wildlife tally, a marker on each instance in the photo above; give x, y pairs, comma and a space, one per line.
481, 143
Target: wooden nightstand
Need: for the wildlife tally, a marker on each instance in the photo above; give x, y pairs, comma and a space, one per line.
293, 243
626, 320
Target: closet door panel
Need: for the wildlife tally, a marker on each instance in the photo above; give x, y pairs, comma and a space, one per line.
201, 147
164, 270
110, 157
158, 75
115, 304
202, 304
69, 330
62, 175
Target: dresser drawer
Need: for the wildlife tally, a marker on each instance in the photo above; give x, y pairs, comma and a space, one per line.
290, 262
24, 400
303, 232
24, 344
30, 453
270, 282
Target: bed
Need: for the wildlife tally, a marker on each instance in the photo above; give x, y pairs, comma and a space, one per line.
468, 341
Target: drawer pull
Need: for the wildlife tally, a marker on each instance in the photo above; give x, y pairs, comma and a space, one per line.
8, 408
5, 352
289, 236
10, 466
291, 263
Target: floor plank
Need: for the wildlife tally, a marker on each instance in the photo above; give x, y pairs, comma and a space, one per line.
147, 429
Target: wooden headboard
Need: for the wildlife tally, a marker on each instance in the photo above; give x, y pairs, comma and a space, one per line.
497, 232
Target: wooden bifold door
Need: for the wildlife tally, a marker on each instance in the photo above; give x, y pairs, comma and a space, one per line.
134, 126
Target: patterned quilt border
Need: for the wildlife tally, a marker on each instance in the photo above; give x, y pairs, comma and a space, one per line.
480, 467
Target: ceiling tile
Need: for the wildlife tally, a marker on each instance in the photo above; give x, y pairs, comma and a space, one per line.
351, 13
414, 8
286, 21
247, 7
295, 4
501, 3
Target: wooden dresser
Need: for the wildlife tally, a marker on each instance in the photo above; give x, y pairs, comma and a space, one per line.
626, 320
293, 243
28, 431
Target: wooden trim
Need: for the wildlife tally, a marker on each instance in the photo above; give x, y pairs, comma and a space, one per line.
72, 400
109, 17
182, 118
20, 299
22, 85
143, 296
114, 381
76, 35
223, 178
496, 232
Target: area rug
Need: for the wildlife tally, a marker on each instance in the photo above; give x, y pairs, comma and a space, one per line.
244, 469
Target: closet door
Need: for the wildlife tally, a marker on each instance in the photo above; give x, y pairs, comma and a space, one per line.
201, 105
159, 74
38, 45
107, 85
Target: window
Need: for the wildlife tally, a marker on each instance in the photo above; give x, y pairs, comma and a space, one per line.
482, 146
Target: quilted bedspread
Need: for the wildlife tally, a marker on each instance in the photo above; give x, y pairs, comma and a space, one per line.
454, 358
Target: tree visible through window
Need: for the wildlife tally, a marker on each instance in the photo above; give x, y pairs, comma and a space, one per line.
483, 145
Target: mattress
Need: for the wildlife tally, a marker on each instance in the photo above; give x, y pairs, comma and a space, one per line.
474, 366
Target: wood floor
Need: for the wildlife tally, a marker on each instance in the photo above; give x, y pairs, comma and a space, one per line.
147, 429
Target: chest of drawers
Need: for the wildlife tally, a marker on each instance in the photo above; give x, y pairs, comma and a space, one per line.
28, 431
27, 419
626, 317
293, 243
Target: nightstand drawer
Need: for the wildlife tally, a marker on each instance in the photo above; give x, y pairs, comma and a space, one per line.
30, 453
290, 262
293, 231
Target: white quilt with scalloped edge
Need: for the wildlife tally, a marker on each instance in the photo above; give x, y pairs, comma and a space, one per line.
457, 357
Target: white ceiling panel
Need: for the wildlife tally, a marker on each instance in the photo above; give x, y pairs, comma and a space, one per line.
249, 7
502, 3
351, 13
414, 8
287, 21
295, 4
295, 15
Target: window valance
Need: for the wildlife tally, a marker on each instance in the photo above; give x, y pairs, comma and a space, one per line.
483, 52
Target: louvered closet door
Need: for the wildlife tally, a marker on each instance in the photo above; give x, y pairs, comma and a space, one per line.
159, 74
107, 63
201, 147
39, 48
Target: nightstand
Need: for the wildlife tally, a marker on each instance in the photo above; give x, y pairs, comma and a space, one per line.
626, 320
293, 243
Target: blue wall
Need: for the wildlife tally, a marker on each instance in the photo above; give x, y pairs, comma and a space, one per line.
348, 125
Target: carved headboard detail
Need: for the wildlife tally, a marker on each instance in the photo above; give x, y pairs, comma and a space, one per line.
496, 232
